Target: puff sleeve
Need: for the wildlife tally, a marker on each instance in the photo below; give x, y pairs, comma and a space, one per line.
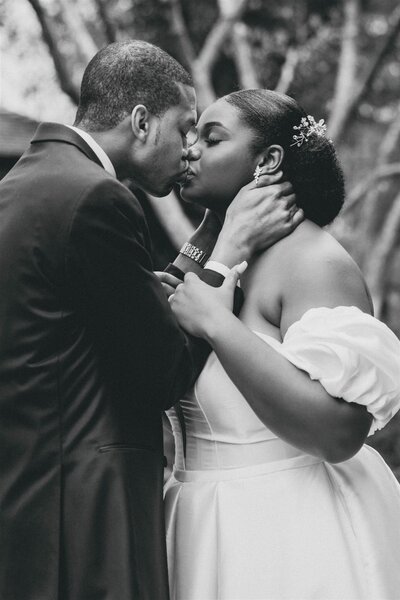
353, 355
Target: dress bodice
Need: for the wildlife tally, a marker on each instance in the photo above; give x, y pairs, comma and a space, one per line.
354, 356
249, 516
222, 431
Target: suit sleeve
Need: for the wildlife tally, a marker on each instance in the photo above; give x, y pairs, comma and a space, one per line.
215, 280
109, 268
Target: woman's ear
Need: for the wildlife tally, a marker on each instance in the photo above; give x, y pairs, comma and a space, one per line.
140, 122
271, 159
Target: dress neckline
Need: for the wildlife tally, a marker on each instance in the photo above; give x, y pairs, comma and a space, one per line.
306, 314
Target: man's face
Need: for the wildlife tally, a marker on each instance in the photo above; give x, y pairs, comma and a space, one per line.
166, 148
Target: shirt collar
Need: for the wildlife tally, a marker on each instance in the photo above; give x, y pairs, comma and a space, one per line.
98, 150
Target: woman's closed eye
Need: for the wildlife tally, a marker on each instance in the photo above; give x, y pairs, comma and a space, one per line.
212, 141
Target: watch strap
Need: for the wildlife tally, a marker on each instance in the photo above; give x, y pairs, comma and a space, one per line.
195, 253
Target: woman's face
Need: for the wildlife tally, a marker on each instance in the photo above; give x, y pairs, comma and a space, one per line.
226, 160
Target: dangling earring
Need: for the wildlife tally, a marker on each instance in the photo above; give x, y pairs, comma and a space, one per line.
257, 174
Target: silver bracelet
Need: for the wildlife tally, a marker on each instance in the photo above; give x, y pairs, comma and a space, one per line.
191, 251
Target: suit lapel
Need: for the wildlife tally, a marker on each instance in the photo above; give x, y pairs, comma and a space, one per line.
54, 132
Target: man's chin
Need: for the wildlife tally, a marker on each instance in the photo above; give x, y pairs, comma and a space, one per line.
192, 198
161, 193
188, 195
158, 191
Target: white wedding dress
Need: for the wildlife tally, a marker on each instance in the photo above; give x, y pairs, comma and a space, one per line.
250, 517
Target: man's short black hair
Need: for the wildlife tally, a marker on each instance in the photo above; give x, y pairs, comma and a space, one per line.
124, 74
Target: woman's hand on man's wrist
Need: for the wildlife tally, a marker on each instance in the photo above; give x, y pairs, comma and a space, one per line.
202, 309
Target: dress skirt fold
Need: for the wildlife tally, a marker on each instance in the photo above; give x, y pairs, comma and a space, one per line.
250, 517
293, 529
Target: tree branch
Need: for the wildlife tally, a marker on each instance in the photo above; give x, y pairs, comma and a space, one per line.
369, 78
220, 31
231, 12
375, 194
346, 70
365, 187
379, 258
66, 82
385, 48
109, 26
84, 42
203, 84
288, 70
298, 38
180, 31
391, 139
243, 57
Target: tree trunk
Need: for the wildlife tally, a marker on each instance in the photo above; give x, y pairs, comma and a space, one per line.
373, 200
386, 47
367, 187
365, 85
84, 42
346, 70
380, 255
391, 140
187, 54
298, 39
110, 29
231, 11
60, 63
243, 57
288, 71
376, 195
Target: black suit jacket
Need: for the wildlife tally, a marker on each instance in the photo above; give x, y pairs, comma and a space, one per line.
90, 354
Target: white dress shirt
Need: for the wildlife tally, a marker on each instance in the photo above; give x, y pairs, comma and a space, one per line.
98, 150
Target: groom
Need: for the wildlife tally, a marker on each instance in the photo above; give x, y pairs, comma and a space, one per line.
90, 352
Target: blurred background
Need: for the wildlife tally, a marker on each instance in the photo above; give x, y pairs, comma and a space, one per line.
339, 59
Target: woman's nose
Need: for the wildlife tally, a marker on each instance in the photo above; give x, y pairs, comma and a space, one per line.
193, 153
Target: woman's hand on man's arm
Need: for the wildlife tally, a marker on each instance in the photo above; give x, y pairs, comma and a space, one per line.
296, 408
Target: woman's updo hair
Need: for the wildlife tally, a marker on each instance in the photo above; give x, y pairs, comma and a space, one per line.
312, 168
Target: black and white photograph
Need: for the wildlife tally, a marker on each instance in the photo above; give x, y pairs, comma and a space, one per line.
199, 300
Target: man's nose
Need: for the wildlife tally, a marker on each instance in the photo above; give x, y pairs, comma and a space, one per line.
193, 153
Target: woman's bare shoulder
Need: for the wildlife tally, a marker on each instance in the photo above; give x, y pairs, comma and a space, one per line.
314, 270
309, 249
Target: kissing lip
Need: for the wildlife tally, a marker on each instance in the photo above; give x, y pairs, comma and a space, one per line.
188, 175
191, 173
182, 176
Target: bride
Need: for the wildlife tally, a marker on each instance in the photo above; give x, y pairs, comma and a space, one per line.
274, 495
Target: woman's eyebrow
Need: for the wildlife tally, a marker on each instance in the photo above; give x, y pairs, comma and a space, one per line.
211, 124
